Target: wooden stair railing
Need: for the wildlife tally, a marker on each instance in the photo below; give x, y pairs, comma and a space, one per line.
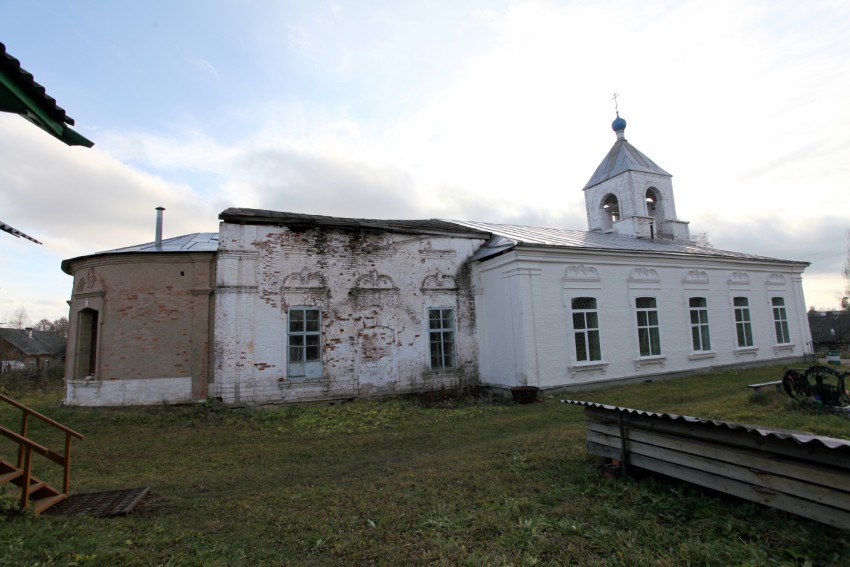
41, 494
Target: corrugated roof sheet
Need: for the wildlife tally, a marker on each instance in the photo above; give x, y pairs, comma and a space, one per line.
796, 436
623, 157
22, 95
41, 342
26, 82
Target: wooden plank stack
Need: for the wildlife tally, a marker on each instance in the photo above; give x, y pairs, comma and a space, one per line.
804, 474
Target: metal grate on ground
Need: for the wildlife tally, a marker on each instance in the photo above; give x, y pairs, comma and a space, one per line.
100, 504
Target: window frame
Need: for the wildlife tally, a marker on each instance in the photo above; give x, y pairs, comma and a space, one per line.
780, 320
648, 329
586, 336
700, 329
304, 366
743, 322
442, 352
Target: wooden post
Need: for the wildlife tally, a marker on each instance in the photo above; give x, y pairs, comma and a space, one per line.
25, 488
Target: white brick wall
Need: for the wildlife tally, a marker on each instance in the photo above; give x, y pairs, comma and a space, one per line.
374, 291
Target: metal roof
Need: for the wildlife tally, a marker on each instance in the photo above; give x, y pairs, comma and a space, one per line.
196, 242
830, 327
432, 226
41, 342
15, 232
507, 236
498, 237
621, 158
20, 94
796, 436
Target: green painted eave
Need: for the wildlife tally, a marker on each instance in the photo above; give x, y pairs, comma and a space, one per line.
14, 99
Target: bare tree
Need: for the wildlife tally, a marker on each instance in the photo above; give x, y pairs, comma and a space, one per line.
701, 239
60, 327
19, 319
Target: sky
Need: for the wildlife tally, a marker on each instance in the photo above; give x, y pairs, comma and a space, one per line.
491, 111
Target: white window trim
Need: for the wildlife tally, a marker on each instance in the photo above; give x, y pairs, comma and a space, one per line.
574, 331
650, 359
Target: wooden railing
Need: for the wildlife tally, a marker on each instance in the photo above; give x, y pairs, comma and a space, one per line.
27, 446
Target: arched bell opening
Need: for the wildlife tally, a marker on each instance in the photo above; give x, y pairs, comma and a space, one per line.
610, 211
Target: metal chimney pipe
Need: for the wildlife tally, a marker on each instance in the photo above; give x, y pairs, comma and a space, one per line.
158, 241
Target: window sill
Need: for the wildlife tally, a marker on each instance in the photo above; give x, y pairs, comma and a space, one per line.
589, 366
650, 361
702, 355
441, 372
787, 347
746, 351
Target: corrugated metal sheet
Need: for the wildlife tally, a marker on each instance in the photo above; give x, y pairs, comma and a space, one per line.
24, 80
796, 436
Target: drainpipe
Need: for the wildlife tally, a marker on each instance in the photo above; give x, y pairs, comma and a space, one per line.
158, 241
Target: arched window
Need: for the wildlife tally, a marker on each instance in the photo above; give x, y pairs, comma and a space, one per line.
654, 206
610, 211
85, 363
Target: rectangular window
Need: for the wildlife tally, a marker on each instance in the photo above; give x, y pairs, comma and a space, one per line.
780, 321
743, 326
441, 333
586, 327
649, 336
305, 343
699, 324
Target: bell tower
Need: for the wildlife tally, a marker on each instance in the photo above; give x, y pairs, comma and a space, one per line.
630, 195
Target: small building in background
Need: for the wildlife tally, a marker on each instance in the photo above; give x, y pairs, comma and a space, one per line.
830, 331
30, 350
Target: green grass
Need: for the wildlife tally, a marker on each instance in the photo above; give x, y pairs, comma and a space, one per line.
395, 483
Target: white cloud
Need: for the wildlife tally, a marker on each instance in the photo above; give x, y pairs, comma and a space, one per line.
742, 103
204, 66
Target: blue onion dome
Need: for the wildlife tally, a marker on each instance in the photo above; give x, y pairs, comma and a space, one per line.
618, 124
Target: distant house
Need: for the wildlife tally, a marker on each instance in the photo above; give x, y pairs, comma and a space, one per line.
29, 349
830, 330
281, 307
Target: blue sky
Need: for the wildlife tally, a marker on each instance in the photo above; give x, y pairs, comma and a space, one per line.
489, 111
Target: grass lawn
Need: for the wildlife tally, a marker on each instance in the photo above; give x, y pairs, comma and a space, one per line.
397, 483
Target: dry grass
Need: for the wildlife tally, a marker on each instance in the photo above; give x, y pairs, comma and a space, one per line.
396, 483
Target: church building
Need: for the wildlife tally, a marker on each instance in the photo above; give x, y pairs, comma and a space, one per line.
282, 307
